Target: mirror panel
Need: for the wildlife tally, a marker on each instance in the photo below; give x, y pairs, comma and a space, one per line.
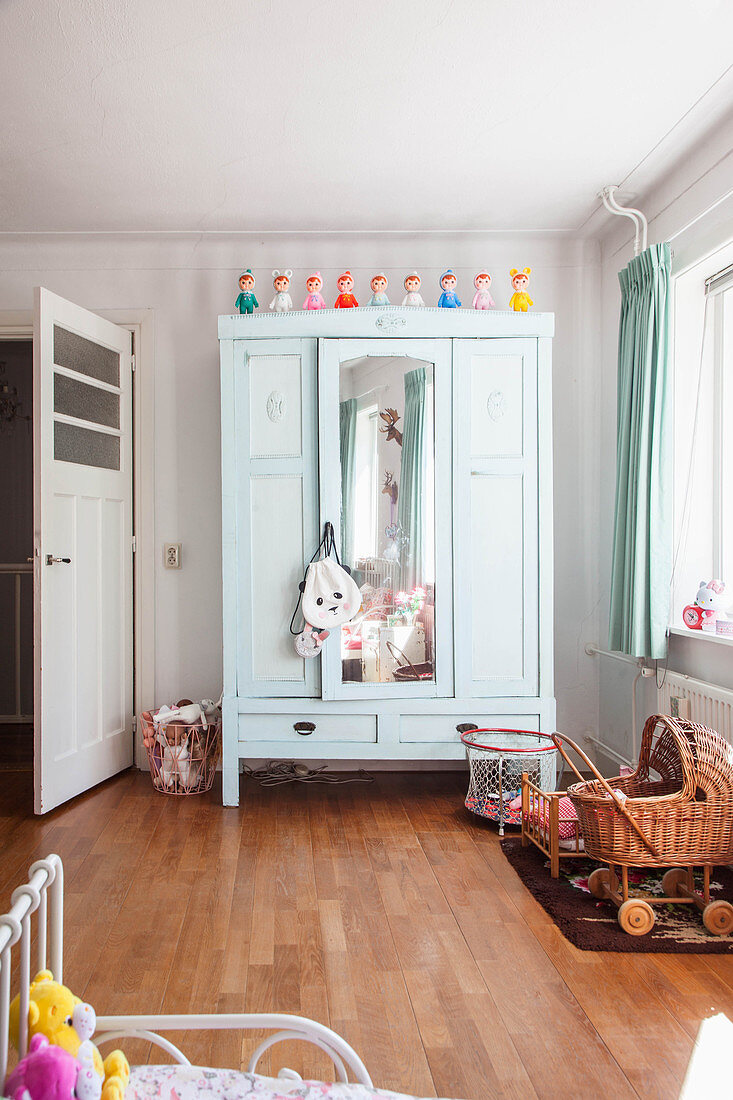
387, 449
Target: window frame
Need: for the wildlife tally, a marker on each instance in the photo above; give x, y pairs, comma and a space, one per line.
701, 439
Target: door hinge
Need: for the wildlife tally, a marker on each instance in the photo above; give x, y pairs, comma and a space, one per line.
133, 364
134, 723
134, 544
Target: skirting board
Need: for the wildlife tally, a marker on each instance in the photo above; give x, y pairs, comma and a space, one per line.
367, 765
371, 765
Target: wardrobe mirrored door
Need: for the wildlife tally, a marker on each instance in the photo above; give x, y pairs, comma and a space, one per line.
378, 475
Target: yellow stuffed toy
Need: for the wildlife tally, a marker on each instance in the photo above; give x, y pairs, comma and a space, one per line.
66, 1021
520, 300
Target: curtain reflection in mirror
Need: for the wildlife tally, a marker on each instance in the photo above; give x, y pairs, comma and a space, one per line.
347, 417
413, 480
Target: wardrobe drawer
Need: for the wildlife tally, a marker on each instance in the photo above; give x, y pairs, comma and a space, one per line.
425, 728
327, 727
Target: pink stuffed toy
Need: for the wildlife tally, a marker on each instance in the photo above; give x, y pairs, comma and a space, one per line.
50, 1073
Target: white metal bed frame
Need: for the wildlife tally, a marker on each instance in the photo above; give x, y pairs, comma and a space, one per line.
43, 895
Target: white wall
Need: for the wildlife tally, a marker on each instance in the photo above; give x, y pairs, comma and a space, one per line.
673, 209
189, 281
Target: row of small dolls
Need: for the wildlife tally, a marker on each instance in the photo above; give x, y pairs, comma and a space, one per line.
282, 302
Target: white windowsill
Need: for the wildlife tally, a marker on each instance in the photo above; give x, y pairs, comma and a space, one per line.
685, 632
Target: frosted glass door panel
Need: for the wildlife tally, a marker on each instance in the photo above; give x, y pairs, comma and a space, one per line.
497, 579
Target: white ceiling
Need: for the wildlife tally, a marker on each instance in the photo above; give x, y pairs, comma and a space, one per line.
366, 115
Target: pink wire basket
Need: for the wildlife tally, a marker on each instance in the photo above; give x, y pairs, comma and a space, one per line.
183, 758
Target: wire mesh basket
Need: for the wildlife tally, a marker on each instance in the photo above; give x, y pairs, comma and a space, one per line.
183, 757
497, 759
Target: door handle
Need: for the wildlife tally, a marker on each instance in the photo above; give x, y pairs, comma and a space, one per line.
304, 728
50, 559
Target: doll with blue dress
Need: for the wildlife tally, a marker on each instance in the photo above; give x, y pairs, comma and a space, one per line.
378, 283
448, 299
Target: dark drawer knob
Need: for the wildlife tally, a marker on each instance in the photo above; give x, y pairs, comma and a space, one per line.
304, 728
465, 727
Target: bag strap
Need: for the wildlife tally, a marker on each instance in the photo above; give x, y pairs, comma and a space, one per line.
329, 543
328, 546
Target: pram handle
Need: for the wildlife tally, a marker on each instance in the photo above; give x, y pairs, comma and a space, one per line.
393, 649
558, 739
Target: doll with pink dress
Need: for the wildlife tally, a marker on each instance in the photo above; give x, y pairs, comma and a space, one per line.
482, 298
314, 298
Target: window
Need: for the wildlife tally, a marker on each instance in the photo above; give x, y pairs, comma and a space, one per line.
703, 371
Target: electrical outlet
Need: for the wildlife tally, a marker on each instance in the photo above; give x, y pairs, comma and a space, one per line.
172, 555
679, 707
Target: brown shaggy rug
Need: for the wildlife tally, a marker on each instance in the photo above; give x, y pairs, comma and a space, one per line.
591, 924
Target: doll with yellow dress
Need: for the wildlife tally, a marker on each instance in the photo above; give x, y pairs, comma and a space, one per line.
520, 300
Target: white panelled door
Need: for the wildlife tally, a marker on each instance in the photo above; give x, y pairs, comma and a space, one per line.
83, 549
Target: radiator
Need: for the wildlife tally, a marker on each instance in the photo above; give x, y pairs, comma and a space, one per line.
708, 704
378, 572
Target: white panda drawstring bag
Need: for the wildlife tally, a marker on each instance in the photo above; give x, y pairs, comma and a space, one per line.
329, 597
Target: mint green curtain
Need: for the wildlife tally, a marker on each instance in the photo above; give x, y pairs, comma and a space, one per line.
411, 514
642, 539
347, 425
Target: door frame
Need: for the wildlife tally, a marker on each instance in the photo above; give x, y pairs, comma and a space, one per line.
18, 325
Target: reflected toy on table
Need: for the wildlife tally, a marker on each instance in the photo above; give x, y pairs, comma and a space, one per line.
282, 302
448, 299
482, 298
246, 301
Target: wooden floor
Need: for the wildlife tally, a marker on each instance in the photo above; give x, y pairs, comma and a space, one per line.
385, 911
16, 747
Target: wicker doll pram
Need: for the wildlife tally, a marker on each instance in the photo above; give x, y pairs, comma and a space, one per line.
683, 819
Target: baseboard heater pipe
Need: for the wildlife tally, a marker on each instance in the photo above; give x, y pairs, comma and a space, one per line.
641, 670
608, 751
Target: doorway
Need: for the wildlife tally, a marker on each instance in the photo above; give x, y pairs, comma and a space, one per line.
16, 555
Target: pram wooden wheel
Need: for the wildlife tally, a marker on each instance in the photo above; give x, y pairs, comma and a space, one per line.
673, 878
718, 917
602, 882
636, 917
